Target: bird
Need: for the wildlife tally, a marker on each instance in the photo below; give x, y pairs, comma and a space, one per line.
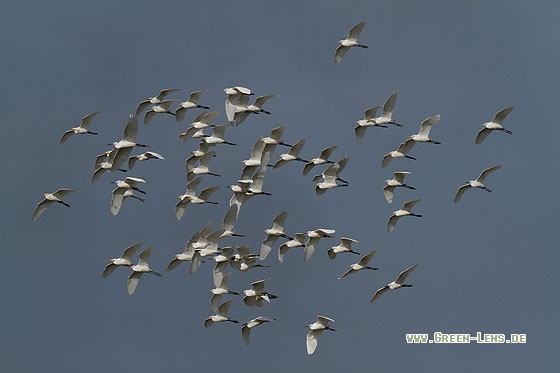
314, 237
222, 259
232, 101
220, 316
387, 113
331, 175
217, 136
368, 121
344, 247
362, 264
274, 138
494, 125
104, 162
401, 152
83, 128
246, 328
154, 100
49, 199
202, 168
273, 234
398, 283
143, 157
404, 211
255, 295
350, 41
396, 182
190, 196
130, 183
257, 184
478, 183
125, 145
425, 127
123, 260
298, 241
139, 269
256, 154
219, 291
322, 159
292, 155
248, 263
204, 119
317, 328
118, 196
229, 222
203, 148
187, 253
339, 165
191, 103
161, 108
256, 107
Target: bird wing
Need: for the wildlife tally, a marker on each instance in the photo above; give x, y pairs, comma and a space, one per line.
277, 132
97, 173
215, 302
482, 134
389, 106
355, 31
310, 247
117, 197
164, 92
245, 331
205, 194
340, 52
120, 156
426, 125
392, 222
230, 217
347, 242
87, 119
326, 153
371, 113
261, 100
195, 262
194, 96
460, 192
131, 129
248, 172
347, 273
308, 167
399, 176
208, 117
224, 308
148, 116
366, 258
408, 205
404, 274
388, 192
208, 322
487, 172
279, 221
133, 180
62, 192
180, 114
131, 162
129, 251
323, 320
141, 106
501, 115
206, 158
296, 148
380, 292
386, 160
192, 185
144, 256
266, 246
66, 136
230, 107
174, 263
180, 208
311, 340
406, 146
132, 282
109, 269
360, 131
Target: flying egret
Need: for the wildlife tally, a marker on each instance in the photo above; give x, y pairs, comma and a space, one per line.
298, 241
425, 127
331, 176
222, 260
401, 152
255, 295
398, 283
404, 211
248, 263
220, 316
154, 100
274, 137
83, 128
190, 196
203, 148
387, 113
124, 260
273, 234
229, 222
187, 253
257, 184
239, 260
162, 108
130, 183
139, 269
125, 145
256, 107
396, 182
362, 264
204, 119
50, 198
104, 162
478, 183
118, 196
191, 103
322, 159
217, 136
291, 155
350, 41
317, 328
344, 247
143, 157
246, 328
256, 154
368, 121
203, 165
495, 124
232, 101
314, 237
340, 165
219, 291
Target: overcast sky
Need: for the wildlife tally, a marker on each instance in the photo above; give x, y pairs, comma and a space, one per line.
487, 264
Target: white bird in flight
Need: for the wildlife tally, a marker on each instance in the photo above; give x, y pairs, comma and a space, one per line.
118, 196
425, 127
396, 182
83, 128
404, 211
273, 234
323, 158
368, 121
217, 136
494, 125
190, 196
139, 269
154, 100
344, 247
124, 260
314, 237
397, 284
203, 165
298, 241
219, 291
478, 183
246, 328
143, 157
291, 155
255, 295
162, 108
232, 101
49, 199
220, 316
350, 41
317, 329
330, 176
401, 152
191, 103
362, 264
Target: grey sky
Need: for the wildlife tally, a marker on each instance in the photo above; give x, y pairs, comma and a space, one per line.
487, 264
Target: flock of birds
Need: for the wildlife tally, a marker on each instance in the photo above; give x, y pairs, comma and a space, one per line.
206, 242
